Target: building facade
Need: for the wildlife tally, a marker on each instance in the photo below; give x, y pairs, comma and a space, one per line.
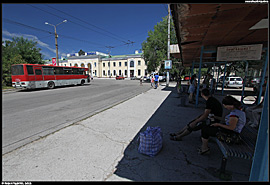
103, 65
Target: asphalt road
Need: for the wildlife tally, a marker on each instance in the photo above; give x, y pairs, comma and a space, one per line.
30, 115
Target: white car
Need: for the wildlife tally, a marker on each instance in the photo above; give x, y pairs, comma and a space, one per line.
234, 82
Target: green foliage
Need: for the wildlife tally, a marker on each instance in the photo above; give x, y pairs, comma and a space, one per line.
18, 51
81, 52
155, 46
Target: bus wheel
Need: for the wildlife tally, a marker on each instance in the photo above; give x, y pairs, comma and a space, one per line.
51, 85
82, 82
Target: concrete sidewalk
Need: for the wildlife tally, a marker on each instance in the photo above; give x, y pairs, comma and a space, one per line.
104, 147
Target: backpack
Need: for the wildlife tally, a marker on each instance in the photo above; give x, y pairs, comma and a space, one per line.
150, 141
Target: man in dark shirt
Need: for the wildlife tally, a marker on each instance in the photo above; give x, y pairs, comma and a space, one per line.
213, 111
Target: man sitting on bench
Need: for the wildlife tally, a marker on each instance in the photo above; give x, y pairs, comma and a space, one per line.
234, 123
213, 107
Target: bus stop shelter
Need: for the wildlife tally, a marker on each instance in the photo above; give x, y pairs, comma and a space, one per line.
204, 30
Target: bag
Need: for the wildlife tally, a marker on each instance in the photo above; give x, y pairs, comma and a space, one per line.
229, 138
150, 141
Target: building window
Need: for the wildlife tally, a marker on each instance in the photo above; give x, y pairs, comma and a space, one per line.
139, 72
125, 63
103, 64
104, 74
109, 64
95, 64
114, 64
125, 72
109, 73
114, 73
131, 64
120, 63
139, 62
120, 72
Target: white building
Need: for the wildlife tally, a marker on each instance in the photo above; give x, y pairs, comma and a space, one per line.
101, 65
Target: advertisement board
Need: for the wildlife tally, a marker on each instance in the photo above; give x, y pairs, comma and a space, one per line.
237, 53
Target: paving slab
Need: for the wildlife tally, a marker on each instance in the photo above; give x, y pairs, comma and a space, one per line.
104, 147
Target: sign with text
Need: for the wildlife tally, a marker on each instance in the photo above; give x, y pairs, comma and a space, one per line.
54, 61
237, 53
168, 64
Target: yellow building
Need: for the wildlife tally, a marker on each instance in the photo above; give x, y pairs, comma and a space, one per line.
101, 65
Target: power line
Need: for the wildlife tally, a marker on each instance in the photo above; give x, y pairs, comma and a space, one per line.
41, 30
75, 22
27, 26
64, 36
86, 22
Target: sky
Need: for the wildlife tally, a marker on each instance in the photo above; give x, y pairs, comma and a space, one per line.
90, 27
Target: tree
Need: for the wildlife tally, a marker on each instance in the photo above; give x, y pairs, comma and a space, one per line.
81, 52
18, 51
155, 46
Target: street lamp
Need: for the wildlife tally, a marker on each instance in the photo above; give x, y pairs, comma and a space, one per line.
56, 46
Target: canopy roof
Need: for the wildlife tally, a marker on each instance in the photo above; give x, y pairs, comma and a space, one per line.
213, 25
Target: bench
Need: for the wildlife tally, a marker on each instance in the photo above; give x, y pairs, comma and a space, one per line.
243, 150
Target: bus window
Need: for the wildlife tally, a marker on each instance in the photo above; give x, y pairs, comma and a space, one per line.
30, 70
48, 70
67, 71
81, 71
75, 71
17, 70
38, 72
59, 71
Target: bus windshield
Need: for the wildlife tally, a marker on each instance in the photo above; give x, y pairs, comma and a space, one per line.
17, 70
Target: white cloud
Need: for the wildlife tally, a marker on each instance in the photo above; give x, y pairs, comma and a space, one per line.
31, 37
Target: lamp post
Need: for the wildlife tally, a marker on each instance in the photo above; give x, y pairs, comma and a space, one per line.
56, 36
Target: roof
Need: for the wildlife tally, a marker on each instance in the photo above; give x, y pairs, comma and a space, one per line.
213, 25
123, 57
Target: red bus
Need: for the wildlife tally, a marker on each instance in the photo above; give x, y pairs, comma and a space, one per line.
33, 76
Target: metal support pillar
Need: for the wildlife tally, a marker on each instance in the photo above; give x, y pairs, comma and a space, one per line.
199, 77
217, 77
244, 83
223, 79
260, 165
262, 78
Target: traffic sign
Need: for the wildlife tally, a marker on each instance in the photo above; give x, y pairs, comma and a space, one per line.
168, 64
54, 61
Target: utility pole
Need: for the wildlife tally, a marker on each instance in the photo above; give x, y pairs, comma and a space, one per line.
168, 51
109, 51
56, 36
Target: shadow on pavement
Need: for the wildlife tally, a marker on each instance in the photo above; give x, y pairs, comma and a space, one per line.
178, 160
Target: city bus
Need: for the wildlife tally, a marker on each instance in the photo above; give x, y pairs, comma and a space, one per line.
32, 76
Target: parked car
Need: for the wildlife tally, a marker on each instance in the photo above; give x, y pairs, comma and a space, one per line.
162, 78
248, 81
120, 78
135, 78
186, 78
234, 82
255, 81
147, 78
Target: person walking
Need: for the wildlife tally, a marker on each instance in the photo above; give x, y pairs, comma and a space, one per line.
156, 80
152, 80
